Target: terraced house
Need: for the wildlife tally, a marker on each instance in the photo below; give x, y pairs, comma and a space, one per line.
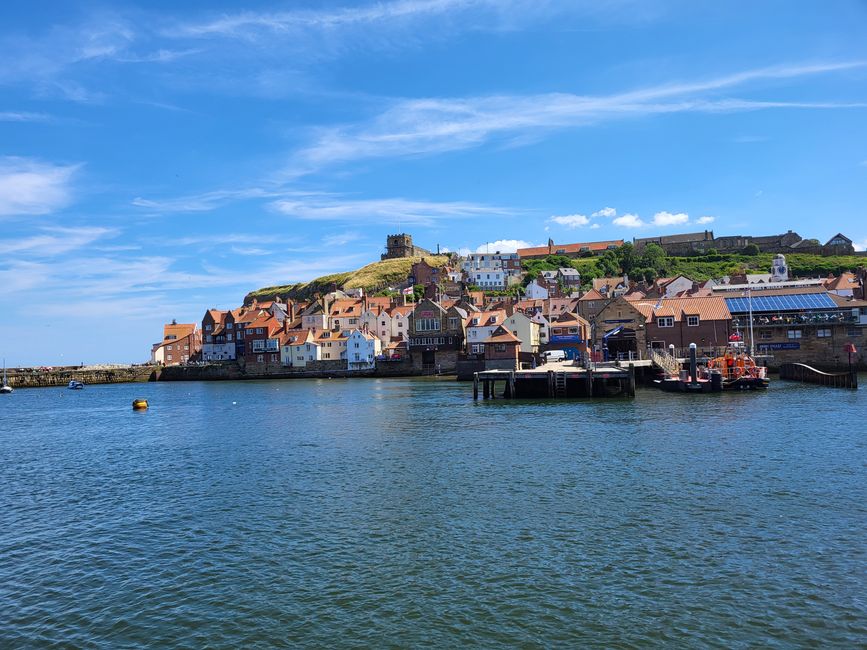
436, 336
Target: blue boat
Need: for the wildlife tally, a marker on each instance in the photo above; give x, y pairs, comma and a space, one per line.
75, 385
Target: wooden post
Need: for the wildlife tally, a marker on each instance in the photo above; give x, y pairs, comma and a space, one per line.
493, 389
589, 382
550, 383
512, 385
487, 388
632, 380
475, 386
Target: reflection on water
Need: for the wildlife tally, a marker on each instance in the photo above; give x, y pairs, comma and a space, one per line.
400, 512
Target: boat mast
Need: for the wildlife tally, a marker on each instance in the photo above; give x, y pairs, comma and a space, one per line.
750, 298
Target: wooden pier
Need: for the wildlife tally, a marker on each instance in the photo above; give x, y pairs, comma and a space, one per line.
557, 380
807, 374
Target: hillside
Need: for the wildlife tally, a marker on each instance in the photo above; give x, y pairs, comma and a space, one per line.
372, 278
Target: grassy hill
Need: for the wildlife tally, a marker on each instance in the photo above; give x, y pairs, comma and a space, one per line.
372, 278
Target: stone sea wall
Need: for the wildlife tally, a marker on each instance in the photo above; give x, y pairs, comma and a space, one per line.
35, 378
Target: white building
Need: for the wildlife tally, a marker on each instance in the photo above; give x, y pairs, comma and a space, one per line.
525, 328
536, 291
362, 348
480, 326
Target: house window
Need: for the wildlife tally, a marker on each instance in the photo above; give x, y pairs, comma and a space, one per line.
501, 347
823, 333
853, 331
665, 321
794, 334
478, 348
169, 357
692, 321
168, 347
208, 327
427, 324
186, 347
383, 322
260, 358
453, 323
766, 335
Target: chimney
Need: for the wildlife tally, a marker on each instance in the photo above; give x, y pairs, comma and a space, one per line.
285, 325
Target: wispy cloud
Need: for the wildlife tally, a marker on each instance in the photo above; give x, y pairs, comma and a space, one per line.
204, 202
54, 241
29, 186
390, 210
23, 116
249, 25
703, 221
605, 212
341, 239
435, 125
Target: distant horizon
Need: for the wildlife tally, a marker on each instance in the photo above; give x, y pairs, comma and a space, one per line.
157, 159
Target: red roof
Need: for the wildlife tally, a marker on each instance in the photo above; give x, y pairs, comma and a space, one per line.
559, 249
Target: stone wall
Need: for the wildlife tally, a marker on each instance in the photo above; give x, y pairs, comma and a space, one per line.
33, 378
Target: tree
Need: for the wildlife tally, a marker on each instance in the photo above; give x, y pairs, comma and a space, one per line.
711, 251
654, 257
751, 249
645, 273
417, 292
628, 258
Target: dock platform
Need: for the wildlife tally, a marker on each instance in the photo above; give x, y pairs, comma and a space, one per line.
560, 380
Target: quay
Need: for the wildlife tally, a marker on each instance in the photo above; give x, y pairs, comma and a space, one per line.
559, 380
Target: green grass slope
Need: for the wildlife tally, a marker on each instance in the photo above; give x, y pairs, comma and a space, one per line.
372, 278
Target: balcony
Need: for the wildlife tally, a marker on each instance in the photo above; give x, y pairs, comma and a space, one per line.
792, 319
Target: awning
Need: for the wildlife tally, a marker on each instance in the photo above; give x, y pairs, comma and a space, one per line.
612, 332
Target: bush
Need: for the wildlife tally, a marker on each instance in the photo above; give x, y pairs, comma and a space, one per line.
752, 250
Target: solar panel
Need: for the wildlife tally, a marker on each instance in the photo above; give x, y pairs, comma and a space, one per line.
796, 302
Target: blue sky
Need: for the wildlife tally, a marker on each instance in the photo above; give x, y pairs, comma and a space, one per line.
162, 158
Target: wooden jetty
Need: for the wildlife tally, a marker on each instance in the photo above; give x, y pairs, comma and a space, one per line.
558, 380
807, 374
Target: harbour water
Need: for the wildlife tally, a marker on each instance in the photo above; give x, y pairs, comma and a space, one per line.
400, 513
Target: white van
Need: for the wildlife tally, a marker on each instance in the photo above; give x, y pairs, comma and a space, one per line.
554, 355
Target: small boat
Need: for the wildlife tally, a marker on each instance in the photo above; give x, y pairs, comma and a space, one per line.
5, 388
75, 385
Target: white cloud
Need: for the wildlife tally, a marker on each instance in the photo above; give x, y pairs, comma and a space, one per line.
860, 246
629, 221
503, 246
31, 187
55, 241
23, 116
393, 210
669, 219
605, 212
204, 202
705, 220
436, 125
571, 220
594, 226
341, 239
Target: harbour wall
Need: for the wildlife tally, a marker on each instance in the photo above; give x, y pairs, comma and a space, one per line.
36, 378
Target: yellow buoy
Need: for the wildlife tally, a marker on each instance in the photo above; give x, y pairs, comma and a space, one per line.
139, 404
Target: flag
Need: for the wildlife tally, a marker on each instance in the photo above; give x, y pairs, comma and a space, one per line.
408, 291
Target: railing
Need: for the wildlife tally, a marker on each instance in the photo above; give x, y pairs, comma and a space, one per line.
804, 373
787, 320
665, 361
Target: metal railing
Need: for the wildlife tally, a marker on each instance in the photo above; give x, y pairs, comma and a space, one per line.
787, 320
